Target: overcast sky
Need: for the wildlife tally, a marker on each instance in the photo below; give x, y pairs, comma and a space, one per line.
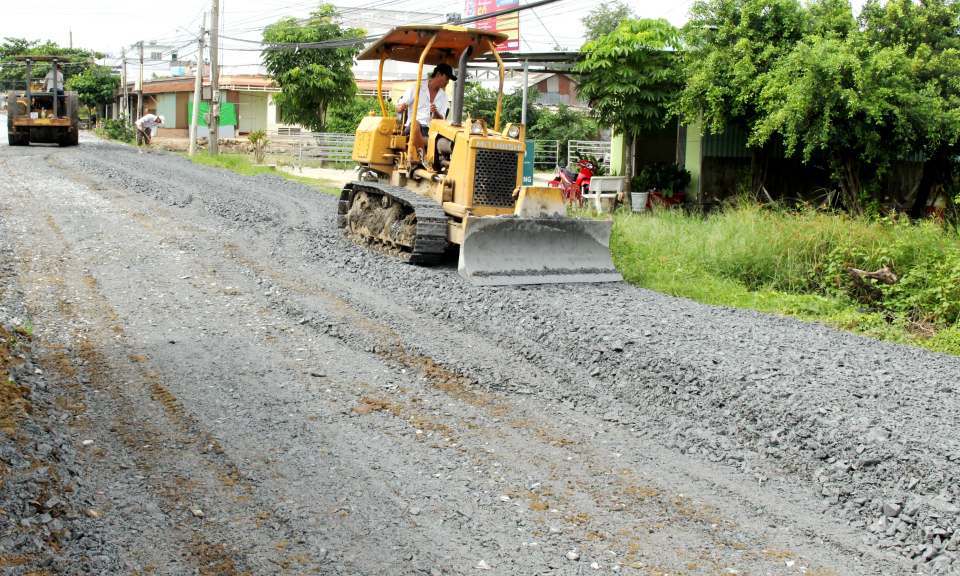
111, 26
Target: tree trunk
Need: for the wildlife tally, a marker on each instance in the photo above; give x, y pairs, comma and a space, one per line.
849, 175
759, 162
630, 143
935, 170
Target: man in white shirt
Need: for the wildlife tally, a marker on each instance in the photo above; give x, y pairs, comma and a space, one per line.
145, 128
433, 104
54, 81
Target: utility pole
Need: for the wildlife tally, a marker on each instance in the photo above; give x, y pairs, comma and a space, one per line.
140, 87
71, 38
195, 120
526, 81
214, 122
125, 107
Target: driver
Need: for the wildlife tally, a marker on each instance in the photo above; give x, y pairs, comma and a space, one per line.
433, 104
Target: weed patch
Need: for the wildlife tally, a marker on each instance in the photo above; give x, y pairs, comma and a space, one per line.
242, 165
795, 263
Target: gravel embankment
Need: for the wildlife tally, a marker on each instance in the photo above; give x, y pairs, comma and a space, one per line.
870, 428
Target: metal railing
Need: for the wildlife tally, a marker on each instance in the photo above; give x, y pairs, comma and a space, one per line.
546, 154
320, 147
580, 148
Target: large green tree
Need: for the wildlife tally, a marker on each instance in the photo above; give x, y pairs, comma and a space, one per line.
730, 47
481, 103
864, 96
929, 33
843, 98
94, 87
563, 124
13, 73
312, 79
605, 19
630, 76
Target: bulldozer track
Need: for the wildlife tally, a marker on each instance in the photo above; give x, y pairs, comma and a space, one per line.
430, 238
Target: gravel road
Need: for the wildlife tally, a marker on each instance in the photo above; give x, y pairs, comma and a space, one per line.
223, 385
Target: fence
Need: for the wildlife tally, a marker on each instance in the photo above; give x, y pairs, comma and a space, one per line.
579, 148
322, 147
546, 154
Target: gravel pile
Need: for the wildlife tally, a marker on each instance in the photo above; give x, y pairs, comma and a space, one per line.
50, 519
871, 428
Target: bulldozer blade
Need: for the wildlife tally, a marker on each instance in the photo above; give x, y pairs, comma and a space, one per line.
505, 251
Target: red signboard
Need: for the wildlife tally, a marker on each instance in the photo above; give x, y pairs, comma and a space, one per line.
508, 24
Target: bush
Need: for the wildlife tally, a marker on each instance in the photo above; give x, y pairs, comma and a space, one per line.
344, 118
801, 253
118, 130
663, 177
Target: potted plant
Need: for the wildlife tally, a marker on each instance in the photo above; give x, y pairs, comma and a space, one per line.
664, 181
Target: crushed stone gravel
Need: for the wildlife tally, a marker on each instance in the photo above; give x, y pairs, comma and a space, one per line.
867, 430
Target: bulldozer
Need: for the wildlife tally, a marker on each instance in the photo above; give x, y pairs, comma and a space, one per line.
32, 116
465, 189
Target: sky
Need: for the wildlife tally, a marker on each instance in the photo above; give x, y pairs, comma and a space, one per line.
111, 26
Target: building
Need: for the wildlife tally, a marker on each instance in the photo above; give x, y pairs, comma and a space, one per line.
245, 87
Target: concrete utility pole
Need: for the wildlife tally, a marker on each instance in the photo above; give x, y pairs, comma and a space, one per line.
526, 80
125, 106
214, 122
195, 120
140, 87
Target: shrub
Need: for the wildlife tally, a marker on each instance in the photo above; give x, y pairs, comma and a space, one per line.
118, 130
258, 140
663, 177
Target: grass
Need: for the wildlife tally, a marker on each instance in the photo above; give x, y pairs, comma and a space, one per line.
242, 164
794, 264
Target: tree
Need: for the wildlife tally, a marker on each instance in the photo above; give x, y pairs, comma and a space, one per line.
843, 98
929, 32
605, 19
564, 124
731, 46
630, 76
345, 117
312, 79
95, 86
14, 72
481, 103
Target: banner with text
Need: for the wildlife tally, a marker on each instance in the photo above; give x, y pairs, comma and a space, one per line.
508, 24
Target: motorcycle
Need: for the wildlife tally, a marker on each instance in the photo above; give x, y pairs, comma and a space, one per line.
574, 184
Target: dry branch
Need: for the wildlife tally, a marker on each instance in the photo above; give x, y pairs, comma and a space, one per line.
884, 275
868, 292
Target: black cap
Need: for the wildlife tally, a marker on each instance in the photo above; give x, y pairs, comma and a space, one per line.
446, 70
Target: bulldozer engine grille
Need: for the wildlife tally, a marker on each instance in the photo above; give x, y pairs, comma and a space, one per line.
495, 178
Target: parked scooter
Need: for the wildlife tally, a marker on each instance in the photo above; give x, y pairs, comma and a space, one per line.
574, 184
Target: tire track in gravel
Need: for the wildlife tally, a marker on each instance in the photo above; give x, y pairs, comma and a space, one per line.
153, 428
366, 326
351, 316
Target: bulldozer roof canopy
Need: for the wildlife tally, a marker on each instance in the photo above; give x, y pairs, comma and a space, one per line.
43, 58
406, 43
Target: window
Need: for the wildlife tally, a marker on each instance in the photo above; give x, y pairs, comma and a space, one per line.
156, 55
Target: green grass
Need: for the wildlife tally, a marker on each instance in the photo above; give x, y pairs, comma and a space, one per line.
242, 164
794, 263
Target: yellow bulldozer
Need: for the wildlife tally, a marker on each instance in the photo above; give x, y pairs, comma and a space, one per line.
465, 187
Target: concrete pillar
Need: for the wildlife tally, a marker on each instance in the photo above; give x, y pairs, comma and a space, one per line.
694, 157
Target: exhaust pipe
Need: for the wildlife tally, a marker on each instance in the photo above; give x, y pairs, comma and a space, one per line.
456, 118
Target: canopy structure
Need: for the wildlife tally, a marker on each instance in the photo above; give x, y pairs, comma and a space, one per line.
406, 44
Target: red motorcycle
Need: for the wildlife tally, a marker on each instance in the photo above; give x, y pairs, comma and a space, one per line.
574, 185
